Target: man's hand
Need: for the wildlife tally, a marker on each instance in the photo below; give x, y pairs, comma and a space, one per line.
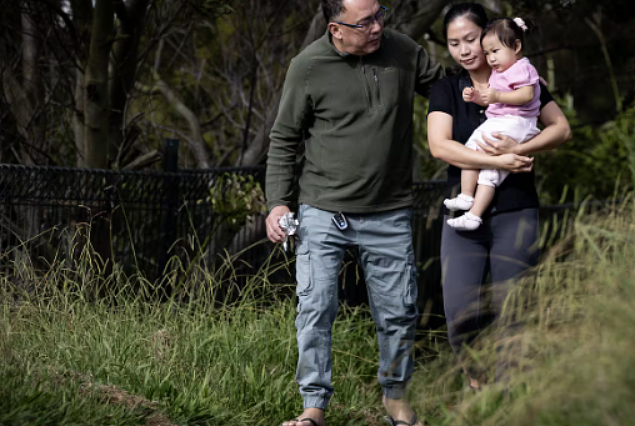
498, 144
469, 93
515, 163
274, 232
490, 96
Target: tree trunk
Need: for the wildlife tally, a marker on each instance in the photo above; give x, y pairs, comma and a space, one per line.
79, 129
25, 95
132, 16
82, 13
96, 97
96, 120
33, 88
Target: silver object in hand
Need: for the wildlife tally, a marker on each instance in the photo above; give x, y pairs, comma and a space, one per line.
289, 225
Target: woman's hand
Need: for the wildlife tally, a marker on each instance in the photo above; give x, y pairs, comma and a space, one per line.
515, 163
498, 144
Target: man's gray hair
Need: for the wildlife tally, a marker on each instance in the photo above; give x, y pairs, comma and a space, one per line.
332, 9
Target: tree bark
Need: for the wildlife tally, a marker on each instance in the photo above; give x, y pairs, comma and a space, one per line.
96, 99
97, 120
82, 11
132, 17
79, 129
25, 95
32, 86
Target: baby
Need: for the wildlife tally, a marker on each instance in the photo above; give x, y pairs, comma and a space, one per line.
514, 105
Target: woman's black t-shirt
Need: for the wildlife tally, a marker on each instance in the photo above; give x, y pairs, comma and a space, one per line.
518, 191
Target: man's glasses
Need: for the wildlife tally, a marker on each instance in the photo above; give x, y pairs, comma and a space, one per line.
366, 24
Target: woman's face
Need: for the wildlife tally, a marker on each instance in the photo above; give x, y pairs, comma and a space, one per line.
464, 43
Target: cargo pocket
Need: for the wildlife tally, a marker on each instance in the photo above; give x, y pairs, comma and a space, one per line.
411, 286
303, 274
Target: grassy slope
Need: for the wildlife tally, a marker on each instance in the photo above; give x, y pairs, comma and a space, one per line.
205, 364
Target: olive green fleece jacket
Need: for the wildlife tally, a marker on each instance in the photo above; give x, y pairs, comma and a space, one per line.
355, 115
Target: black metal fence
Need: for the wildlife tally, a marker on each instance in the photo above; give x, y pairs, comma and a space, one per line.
141, 219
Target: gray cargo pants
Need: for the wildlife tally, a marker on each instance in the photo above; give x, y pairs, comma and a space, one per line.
384, 243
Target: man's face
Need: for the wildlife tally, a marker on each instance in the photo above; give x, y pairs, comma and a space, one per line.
358, 41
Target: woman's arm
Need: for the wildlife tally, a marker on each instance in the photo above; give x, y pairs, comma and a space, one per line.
443, 147
555, 133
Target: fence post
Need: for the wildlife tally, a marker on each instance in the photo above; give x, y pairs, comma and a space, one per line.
169, 205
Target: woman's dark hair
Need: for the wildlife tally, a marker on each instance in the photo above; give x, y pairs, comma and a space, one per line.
472, 11
506, 30
332, 9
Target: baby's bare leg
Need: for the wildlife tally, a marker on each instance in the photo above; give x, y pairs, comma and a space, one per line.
482, 199
469, 179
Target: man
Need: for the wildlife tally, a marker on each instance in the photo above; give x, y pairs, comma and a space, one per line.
350, 97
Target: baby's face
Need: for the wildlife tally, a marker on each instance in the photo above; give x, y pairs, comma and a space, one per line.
499, 56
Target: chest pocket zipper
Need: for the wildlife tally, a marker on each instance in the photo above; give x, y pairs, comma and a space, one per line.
377, 88
367, 92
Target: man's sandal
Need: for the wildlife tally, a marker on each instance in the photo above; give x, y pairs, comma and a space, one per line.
313, 422
393, 422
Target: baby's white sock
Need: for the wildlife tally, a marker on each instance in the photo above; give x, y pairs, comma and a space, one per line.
461, 202
467, 222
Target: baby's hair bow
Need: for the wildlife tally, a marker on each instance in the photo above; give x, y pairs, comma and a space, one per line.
521, 24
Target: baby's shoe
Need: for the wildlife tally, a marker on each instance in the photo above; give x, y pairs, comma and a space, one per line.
467, 222
461, 202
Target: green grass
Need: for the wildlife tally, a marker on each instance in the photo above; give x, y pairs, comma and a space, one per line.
68, 357
572, 347
199, 362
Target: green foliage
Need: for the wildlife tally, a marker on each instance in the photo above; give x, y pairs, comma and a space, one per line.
596, 163
222, 6
235, 197
426, 166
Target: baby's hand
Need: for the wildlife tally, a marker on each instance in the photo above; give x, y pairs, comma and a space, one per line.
490, 96
469, 94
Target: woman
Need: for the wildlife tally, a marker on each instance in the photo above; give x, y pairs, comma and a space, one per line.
506, 244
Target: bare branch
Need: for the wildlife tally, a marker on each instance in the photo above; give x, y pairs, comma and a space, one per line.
197, 143
144, 160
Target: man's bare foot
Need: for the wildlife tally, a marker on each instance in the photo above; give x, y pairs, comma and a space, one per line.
315, 414
399, 410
